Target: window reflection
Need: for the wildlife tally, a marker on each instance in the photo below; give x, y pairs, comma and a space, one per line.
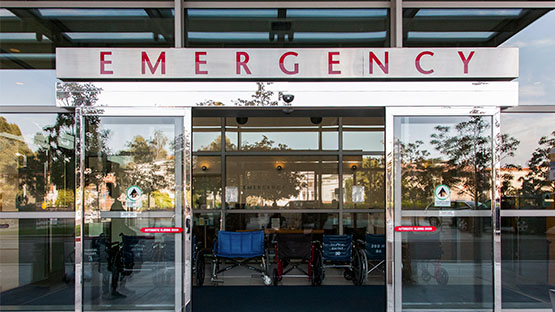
207, 182
364, 182
525, 171
448, 261
37, 161
299, 182
127, 152
528, 261
37, 264
282, 134
455, 151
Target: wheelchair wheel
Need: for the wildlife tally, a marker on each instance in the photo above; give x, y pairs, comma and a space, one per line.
199, 268
359, 267
317, 270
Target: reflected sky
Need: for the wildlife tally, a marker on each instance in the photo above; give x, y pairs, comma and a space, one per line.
537, 64
518, 126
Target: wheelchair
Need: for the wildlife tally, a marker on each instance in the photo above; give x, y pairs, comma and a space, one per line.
292, 250
339, 251
240, 248
374, 247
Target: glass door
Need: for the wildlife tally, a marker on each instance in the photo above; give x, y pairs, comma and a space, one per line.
443, 189
134, 224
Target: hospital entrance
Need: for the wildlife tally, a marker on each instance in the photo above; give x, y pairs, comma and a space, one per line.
288, 209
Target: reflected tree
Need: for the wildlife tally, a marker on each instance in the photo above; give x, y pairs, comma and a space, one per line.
151, 168
469, 156
536, 182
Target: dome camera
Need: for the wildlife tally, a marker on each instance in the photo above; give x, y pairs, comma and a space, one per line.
288, 98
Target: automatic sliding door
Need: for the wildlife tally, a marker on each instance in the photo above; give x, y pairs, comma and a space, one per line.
443, 195
132, 181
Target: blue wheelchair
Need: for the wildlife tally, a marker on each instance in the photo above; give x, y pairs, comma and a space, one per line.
374, 247
240, 248
339, 251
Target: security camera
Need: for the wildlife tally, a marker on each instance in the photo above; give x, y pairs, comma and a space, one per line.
288, 98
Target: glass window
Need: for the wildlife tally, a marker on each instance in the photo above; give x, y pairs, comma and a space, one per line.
266, 134
292, 182
37, 262
318, 223
450, 268
364, 182
464, 27
363, 134
37, 161
536, 76
451, 151
528, 261
124, 268
207, 134
28, 87
207, 182
525, 165
29, 37
130, 163
287, 27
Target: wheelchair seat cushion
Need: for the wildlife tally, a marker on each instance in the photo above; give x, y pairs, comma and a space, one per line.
294, 246
239, 244
337, 247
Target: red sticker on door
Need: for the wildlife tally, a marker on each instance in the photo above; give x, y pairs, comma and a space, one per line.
162, 230
415, 228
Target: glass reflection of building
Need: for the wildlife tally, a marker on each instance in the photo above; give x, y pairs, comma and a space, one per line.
301, 171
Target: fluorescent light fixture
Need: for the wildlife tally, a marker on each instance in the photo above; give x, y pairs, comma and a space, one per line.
340, 36
21, 37
269, 13
468, 12
335, 13
450, 35
112, 36
92, 12
229, 36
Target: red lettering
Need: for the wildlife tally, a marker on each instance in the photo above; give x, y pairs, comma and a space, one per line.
384, 67
243, 63
417, 62
146, 61
282, 66
331, 62
466, 60
199, 62
104, 62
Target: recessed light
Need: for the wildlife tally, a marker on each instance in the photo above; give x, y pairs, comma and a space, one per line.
19, 83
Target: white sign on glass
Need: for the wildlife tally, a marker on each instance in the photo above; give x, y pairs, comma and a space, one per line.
442, 196
358, 194
231, 194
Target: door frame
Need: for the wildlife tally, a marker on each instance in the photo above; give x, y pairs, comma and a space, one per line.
182, 213
393, 196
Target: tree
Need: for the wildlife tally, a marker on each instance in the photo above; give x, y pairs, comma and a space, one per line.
261, 97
